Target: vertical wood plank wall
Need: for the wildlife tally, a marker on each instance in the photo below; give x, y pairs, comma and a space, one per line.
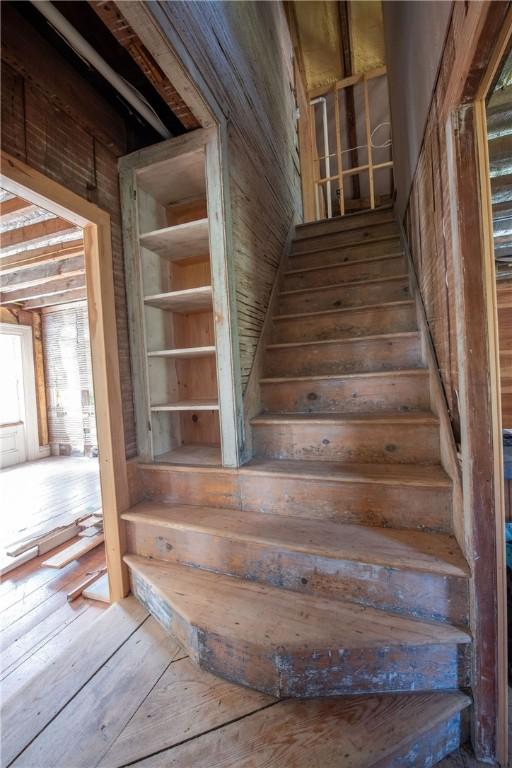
504, 296
66, 146
244, 53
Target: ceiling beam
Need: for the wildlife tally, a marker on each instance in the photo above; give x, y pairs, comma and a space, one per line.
33, 233
15, 206
41, 274
59, 285
27, 259
67, 297
111, 16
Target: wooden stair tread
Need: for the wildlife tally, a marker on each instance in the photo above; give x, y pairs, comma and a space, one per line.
396, 255
271, 618
422, 372
348, 218
342, 732
384, 337
375, 417
342, 286
397, 474
413, 550
362, 308
358, 241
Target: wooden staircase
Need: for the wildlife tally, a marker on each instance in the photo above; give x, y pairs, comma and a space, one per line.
327, 565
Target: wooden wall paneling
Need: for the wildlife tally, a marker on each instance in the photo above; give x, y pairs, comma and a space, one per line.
439, 405
28, 183
504, 306
211, 54
252, 399
479, 433
446, 231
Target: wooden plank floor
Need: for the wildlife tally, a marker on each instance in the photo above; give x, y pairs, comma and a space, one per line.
124, 693
36, 621
39, 491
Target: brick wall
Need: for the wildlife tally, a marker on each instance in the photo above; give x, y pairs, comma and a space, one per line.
66, 149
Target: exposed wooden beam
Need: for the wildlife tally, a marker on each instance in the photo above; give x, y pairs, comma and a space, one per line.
68, 297
41, 274
60, 285
33, 233
111, 16
39, 63
349, 93
27, 259
15, 206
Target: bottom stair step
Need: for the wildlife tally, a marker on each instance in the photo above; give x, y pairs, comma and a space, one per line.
293, 645
394, 731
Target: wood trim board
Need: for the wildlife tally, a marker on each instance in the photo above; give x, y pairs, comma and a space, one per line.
23, 181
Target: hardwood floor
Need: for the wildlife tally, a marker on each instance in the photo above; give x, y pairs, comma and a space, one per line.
125, 693
36, 620
39, 492
37, 623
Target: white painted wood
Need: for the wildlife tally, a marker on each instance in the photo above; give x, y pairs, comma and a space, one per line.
27, 431
12, 444
145, 291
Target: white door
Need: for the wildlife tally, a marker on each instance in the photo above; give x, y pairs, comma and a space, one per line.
12, 402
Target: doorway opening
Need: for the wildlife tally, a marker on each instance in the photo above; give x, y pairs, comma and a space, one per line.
52, 516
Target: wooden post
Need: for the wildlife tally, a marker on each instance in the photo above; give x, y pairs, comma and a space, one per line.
367, 122
338, 149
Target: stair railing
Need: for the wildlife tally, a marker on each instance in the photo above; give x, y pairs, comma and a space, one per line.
334, 120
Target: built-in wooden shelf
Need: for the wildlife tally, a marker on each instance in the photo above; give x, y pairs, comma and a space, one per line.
185, 301
180, 242
197, 454
188, 405
181, 354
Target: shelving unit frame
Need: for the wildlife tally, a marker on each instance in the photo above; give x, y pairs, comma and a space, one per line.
135, 169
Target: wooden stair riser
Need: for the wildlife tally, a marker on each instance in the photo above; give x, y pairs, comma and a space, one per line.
408, 668
365, 503
344, 324
384, 233
392, 392
339, 296
354, 356
402, 591
333, 671
338, 272
428, 749
205, 487
352, 254
350, 442
344, 223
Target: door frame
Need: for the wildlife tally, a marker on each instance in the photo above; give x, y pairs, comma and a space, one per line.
32, 448
486, 28
22, 180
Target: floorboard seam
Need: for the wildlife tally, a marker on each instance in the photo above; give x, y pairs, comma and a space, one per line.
203, 733
125, 726
76, 693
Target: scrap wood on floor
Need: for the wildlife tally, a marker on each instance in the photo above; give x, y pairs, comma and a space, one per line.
37, 622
